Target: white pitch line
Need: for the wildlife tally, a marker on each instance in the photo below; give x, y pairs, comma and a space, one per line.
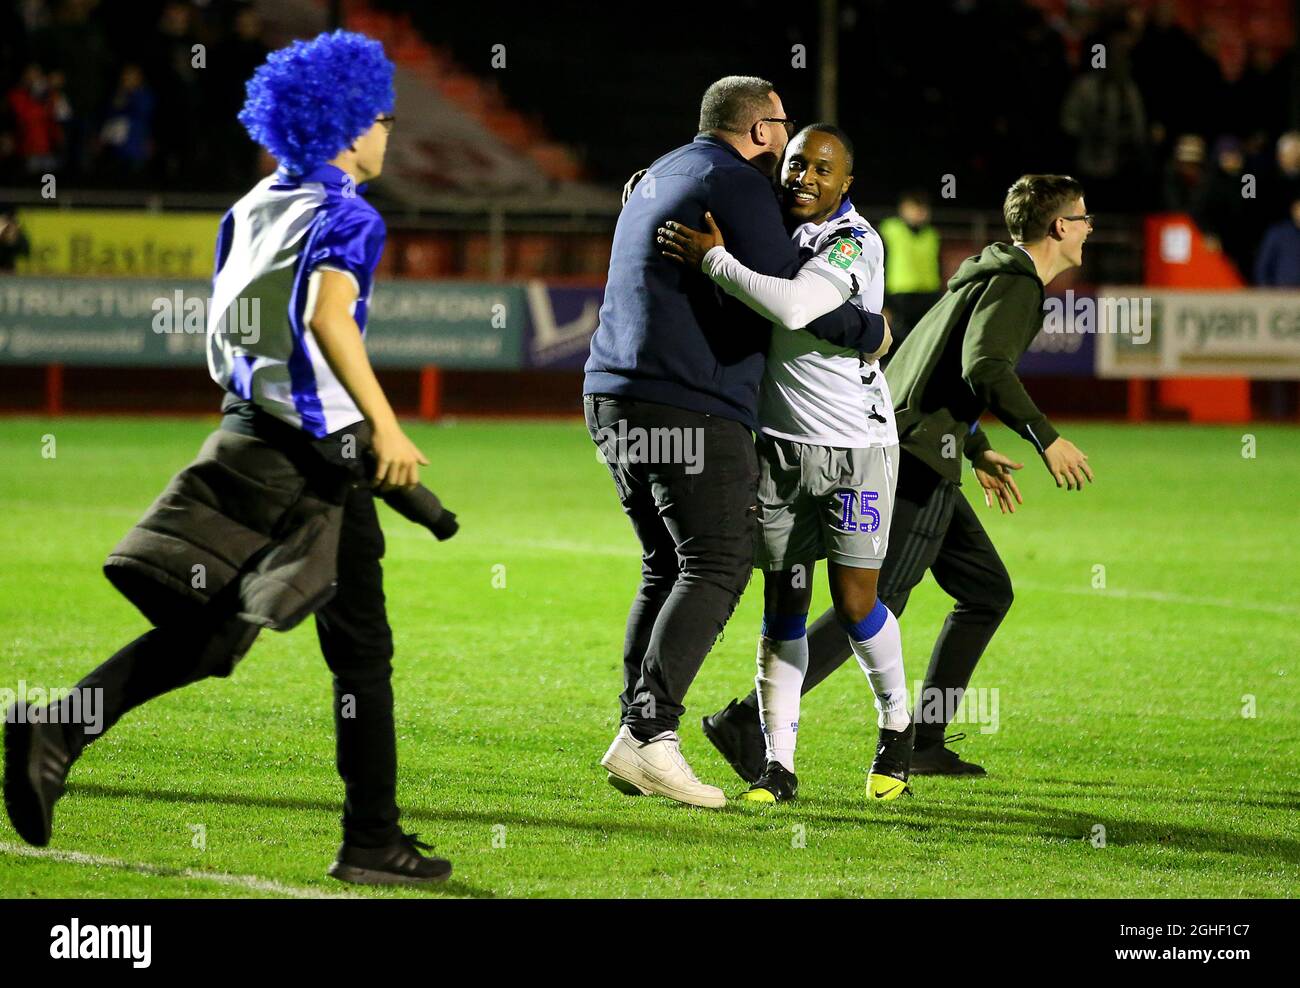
1161, 597
251, 882
404, 532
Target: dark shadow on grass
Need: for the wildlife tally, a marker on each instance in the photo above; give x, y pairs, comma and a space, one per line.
1055, 823
1269, 799
335, 890
919, 816
652, 829
450, 889
1262, 802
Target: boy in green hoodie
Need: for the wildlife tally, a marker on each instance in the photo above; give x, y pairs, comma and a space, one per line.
958, 362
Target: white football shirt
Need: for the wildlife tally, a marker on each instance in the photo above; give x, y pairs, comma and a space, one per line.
813, 391
271, 246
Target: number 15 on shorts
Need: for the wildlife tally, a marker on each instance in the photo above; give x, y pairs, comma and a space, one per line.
858, 502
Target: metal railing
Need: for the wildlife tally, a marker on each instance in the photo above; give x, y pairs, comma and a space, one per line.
1115, 247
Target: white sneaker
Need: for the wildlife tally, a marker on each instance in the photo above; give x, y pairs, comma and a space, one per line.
657, 767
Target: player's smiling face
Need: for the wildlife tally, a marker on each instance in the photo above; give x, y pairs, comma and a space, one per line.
815, 176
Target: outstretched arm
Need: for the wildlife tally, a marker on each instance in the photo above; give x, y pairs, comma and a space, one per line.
993, 344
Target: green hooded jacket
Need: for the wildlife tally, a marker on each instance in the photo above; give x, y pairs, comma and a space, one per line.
960, 361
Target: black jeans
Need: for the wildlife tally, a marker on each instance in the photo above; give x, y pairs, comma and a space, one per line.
934, 528
689, 484
355, 640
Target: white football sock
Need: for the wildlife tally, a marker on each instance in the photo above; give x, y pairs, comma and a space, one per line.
881, 658
781, 668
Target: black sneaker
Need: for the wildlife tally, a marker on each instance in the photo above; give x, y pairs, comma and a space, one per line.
738, 734
936, 759
887, 778
36, 768
777, 784
398, 863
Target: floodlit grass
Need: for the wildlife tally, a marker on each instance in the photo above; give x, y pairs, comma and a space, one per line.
1118, 707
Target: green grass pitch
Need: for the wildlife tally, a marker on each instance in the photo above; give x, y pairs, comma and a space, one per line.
1163, 706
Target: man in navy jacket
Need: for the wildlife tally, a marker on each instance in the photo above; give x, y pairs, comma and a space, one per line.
671, 397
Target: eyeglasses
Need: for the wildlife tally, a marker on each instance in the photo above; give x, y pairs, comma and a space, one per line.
386, 120
1086, 217
787, 122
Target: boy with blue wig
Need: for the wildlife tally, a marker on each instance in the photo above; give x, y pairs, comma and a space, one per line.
276, 519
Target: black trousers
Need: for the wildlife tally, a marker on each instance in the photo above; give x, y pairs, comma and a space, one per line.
355, 640
694, 507
934, 528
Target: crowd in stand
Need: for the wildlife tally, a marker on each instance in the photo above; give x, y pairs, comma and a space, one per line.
977, 91
1120, 94
1157, 125
139, 94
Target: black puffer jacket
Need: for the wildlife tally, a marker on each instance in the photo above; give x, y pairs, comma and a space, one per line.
242, 511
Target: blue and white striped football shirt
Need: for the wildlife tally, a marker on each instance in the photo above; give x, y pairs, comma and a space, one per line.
271, 247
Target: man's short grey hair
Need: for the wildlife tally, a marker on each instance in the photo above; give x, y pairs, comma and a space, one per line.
735, 103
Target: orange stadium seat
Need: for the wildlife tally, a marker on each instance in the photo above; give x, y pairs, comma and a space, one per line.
425, 255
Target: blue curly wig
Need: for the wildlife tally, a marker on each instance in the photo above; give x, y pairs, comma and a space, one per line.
309, 101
